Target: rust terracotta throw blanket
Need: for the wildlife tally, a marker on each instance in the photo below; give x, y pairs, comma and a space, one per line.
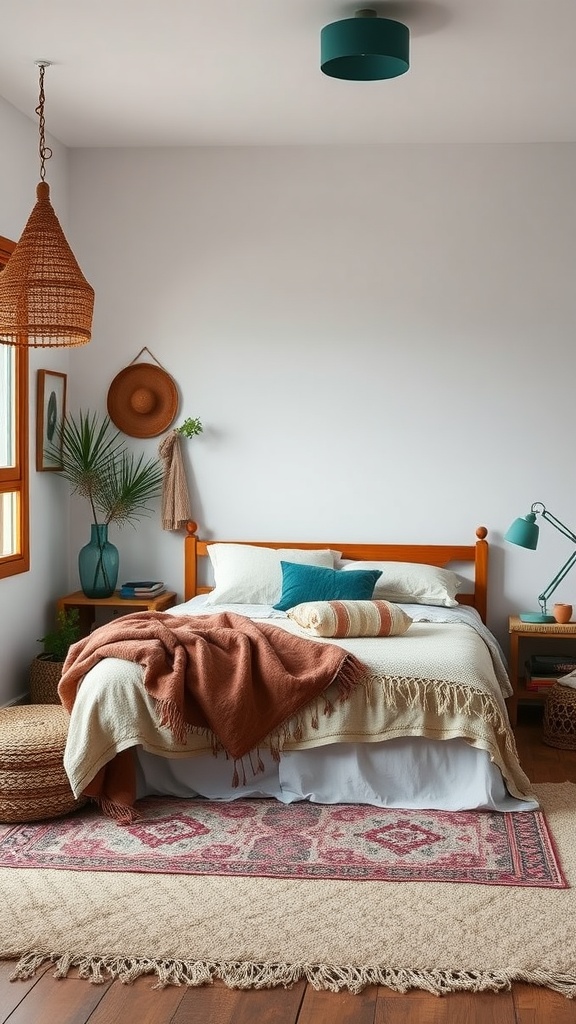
224, 673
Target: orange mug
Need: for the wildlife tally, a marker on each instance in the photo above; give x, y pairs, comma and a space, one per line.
562, 612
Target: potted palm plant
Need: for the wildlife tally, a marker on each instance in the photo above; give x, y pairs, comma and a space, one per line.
46, 669
118, 485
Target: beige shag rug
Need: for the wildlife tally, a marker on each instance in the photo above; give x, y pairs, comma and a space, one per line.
259, 932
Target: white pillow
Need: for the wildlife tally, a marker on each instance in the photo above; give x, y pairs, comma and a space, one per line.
246, 574
350, 618
412, 583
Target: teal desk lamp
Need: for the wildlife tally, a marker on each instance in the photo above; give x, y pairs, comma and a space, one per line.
525, 532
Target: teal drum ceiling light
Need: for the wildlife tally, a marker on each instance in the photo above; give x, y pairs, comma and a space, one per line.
365, 48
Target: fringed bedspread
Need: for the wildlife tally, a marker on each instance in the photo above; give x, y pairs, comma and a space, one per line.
439, 680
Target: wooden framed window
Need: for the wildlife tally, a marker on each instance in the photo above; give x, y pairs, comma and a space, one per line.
14, 493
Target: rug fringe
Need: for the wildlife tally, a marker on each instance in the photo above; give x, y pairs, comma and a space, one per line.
246, 974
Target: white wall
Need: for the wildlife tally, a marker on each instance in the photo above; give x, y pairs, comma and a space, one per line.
379, 340
27, 600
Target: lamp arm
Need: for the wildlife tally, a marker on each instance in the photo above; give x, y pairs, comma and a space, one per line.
540, 509
543, 597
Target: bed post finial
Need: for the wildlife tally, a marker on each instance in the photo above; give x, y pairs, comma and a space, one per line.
190, 560
481, 572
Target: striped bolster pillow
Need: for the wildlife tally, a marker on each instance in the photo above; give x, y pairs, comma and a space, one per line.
350, 618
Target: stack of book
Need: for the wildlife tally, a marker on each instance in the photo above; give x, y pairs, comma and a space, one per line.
543, 670
142, 589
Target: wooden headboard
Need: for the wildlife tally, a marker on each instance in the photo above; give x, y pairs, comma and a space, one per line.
430, 554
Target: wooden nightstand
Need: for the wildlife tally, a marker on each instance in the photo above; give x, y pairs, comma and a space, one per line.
526, 634
87, 605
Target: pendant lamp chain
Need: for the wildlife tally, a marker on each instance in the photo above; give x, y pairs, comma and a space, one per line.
45, 300
44, 150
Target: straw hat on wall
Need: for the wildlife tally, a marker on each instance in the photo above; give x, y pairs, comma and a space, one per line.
143, 400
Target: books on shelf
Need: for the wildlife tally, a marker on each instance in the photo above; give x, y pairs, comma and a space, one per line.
142, 588
542, 671
143, 584
552, 664
539, 684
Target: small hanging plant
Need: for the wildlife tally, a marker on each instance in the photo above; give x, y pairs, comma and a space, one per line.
190, 427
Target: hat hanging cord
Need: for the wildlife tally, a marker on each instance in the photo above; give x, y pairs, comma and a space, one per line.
146, 349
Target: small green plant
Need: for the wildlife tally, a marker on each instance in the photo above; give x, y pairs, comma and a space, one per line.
190, 427
66, 632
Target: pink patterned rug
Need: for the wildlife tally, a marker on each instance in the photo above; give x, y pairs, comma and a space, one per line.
300, 840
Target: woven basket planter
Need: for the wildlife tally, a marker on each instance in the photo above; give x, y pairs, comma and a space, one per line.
33, 783
559, 723
44, 678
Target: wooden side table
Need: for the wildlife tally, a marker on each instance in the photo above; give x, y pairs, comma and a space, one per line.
522, 633
87, 605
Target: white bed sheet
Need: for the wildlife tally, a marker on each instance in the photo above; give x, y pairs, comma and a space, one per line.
414, 772
408, 772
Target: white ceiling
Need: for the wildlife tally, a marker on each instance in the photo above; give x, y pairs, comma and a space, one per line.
246, 72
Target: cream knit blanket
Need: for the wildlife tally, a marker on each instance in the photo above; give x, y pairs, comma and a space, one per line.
438, 680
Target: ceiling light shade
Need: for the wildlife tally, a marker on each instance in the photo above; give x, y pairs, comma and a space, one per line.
45, 300
365, 48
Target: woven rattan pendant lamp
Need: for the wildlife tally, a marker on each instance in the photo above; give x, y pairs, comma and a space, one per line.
45, 300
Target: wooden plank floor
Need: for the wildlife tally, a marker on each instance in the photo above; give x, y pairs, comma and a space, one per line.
45, 1000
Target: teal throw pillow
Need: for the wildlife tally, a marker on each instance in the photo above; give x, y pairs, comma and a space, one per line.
313, 583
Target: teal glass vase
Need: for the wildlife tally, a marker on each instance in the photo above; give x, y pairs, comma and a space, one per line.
98, 563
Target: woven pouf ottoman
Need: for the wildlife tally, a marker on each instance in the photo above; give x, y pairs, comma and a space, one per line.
559, 722
33, 783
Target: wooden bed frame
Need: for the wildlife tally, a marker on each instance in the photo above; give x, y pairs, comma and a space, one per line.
429, 554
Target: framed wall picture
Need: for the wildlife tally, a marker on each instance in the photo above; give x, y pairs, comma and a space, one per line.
50, 411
